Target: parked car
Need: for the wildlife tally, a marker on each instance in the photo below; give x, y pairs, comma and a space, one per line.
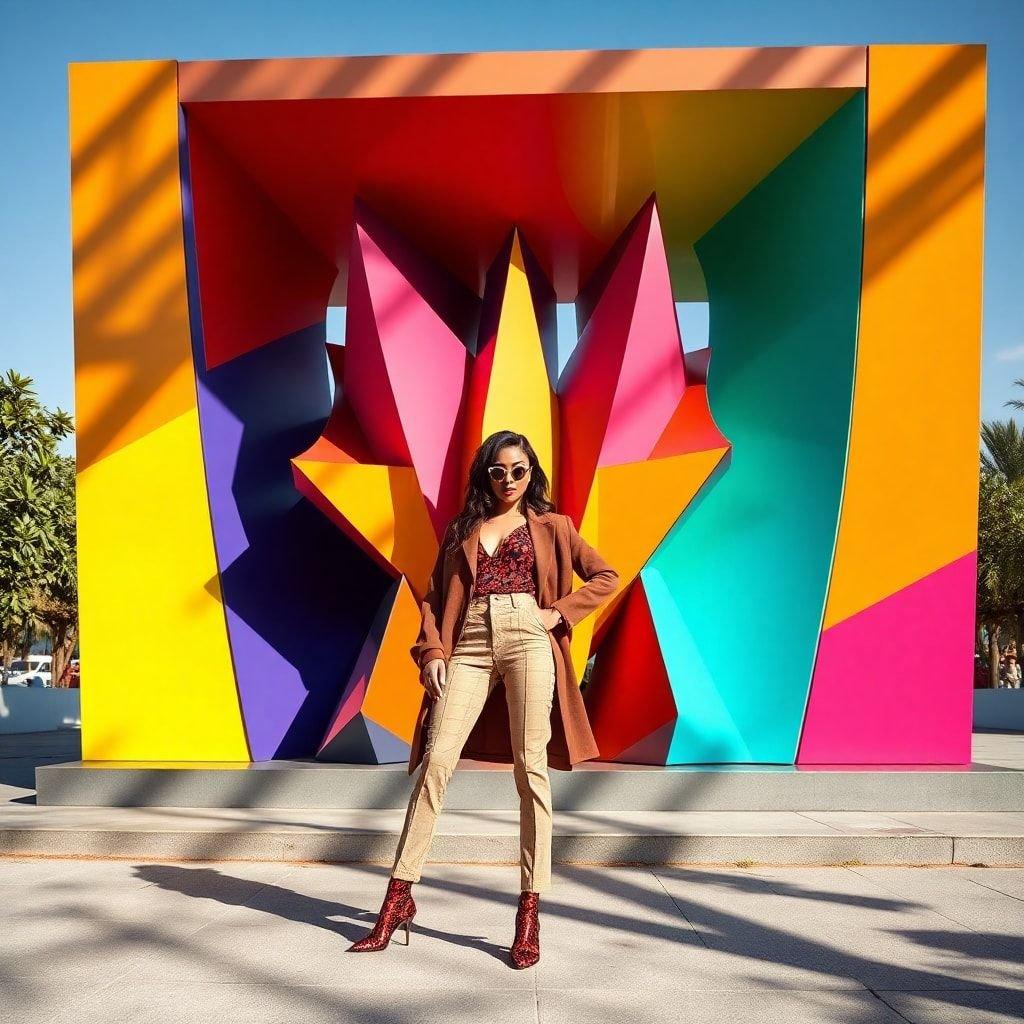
37, 666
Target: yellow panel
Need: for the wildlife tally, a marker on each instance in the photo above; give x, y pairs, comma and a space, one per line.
157, 678
630, 510
910, 503
519, 395
639, 504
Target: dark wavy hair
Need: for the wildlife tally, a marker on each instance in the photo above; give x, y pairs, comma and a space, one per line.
480, 502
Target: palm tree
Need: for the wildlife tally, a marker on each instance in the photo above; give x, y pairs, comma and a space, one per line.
1005, 449
1016, 403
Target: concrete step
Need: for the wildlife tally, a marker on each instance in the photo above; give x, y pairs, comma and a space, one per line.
593, 786
492, 837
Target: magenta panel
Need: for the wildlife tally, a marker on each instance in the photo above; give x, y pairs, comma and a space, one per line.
893, 683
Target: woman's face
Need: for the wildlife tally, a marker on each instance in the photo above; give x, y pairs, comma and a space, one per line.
507, 489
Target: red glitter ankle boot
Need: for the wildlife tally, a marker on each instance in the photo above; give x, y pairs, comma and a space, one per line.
398, 908
525, 950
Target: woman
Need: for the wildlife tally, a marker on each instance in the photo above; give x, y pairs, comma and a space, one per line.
499, 606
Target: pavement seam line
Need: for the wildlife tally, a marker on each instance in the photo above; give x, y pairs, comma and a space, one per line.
536, 998
680, 910
806, 814
990, 888
888, 1004
920, 830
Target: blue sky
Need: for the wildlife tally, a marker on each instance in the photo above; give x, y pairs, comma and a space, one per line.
38, 38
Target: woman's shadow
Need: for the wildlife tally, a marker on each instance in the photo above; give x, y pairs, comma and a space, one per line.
212, 884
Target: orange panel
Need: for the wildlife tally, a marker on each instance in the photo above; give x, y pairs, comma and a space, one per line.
558, 71
916, 411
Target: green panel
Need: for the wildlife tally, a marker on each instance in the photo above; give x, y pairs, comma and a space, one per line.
752, 554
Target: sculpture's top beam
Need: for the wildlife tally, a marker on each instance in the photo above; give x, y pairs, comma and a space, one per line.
524, 73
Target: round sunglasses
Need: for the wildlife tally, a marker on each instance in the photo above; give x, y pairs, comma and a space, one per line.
498, 472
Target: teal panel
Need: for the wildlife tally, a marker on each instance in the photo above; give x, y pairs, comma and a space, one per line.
738, 587
707, 726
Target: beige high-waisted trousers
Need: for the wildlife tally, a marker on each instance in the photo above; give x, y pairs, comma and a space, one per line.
502, 638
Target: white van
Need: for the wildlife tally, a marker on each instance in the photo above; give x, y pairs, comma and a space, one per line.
38, 666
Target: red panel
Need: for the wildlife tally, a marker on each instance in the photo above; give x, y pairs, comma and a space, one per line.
629, 697
407, 159
259, 278
692, 428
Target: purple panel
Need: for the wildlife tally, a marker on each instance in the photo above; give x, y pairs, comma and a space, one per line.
298, 595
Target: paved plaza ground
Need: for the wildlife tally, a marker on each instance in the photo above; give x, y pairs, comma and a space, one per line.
100, 941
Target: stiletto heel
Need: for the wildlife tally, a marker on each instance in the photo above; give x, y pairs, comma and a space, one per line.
398, 908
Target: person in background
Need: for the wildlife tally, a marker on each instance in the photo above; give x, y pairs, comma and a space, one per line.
1012, 671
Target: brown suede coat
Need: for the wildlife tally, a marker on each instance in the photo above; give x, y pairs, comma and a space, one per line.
559, 551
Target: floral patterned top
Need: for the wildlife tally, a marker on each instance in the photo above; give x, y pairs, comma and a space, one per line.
510, 569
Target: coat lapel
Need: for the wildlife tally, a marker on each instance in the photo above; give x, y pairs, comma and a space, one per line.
469, 546
542, 533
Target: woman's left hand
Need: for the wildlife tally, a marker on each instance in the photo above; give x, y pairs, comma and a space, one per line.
551, 617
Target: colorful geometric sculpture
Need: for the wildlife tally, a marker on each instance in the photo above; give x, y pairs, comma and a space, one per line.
789, 548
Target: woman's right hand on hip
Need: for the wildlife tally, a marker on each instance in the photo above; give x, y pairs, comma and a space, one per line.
433, 677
